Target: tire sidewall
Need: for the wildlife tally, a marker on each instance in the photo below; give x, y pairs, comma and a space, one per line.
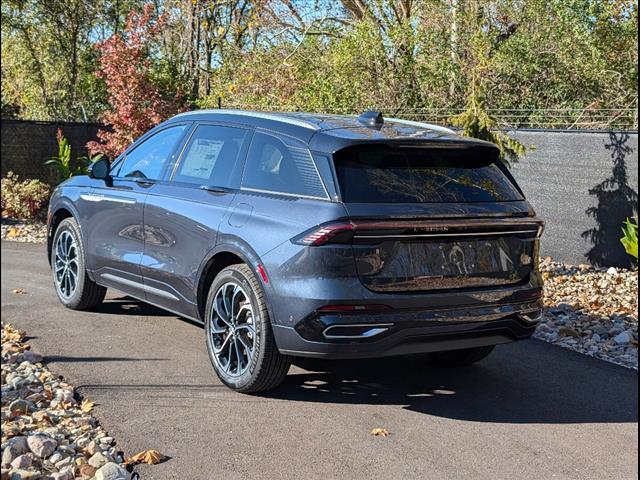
260, 320
69, 225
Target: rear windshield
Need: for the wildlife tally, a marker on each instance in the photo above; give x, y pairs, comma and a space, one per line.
384, 174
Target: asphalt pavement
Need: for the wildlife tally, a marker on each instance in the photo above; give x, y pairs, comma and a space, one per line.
531, 410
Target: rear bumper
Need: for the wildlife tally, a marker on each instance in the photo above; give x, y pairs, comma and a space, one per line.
389, 333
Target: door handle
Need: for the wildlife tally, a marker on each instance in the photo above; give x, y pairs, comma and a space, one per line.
216, 190
144, 182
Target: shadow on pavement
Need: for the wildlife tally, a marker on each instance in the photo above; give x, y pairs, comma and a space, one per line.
131, 306
524, 382
527, 382
65, 359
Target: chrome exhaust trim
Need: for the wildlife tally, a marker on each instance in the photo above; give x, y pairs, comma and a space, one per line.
371, 330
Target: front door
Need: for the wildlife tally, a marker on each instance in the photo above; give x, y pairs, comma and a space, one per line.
182, 215
114, 223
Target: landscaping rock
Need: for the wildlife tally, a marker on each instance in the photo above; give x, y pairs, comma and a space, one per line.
98, 460
66, 475
31, 357
33, 231
591, 310
41, 445
45, 432
111, 471
19, 474
18, 444
8, 455
623, 338
87, 471
20, 407
23, 461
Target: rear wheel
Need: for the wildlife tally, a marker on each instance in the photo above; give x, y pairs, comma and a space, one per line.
239, 338
461, 357
74, 287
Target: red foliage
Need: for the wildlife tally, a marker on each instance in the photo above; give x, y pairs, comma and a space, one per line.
136, 103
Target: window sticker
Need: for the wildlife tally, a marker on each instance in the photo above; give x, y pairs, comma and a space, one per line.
202, 157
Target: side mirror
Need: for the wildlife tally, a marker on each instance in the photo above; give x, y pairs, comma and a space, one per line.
100, 169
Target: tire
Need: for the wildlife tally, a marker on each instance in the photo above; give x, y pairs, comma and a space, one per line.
242, 348
86, 294
459, 358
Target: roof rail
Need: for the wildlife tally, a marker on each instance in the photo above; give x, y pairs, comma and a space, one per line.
430, 126
247, 113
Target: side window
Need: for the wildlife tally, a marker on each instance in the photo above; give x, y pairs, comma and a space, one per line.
277, 167
210, 156
148, 159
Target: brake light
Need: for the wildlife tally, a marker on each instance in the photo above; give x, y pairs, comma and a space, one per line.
329, 233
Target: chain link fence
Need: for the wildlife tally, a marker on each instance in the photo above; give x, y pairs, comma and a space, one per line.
605, 119
552, 118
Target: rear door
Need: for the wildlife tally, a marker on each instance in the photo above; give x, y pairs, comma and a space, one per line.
114, 219
435, 217
183, 213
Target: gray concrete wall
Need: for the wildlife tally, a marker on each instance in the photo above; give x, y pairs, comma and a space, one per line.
584, 185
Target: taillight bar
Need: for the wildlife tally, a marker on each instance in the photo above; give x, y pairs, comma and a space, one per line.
343, 232
329, 233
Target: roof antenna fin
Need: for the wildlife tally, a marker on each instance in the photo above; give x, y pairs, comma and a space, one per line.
371, 118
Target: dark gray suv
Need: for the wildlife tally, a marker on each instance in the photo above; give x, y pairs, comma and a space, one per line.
306, 235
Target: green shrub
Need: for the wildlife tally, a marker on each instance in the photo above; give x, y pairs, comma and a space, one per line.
630, 239
63, 163
23, 199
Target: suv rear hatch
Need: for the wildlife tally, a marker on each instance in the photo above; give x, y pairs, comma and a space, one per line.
436, 217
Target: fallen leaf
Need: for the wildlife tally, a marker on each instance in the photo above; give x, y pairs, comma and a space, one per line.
86, 405
64, 406
19, 291
41, 417
12, 348
568, 332
48, 392
380, 432
13, 232
11, 334
150, 457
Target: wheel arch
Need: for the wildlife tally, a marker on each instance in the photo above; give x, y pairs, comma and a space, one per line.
57, 215
220, 257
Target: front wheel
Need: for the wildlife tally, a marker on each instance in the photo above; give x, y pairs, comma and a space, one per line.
239, 338
460, 358
74, 287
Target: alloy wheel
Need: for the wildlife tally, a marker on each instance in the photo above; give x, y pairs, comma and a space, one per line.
66, 264
232, 331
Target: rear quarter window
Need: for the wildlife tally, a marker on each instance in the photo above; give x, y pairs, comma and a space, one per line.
444, 174
281, 165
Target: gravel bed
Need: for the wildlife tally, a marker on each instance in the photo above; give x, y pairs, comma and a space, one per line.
33, 231
47, 432
593, 311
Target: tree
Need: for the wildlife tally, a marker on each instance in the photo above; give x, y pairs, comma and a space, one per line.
412, 58
136, 102
476, 121
46, 61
